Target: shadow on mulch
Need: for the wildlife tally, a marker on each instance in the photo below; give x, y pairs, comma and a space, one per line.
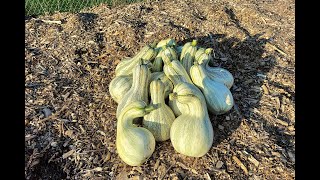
245, 60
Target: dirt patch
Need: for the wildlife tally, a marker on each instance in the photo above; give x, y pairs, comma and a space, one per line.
70, 117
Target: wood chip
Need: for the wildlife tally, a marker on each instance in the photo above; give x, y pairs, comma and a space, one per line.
137, 169
277, 102
219, 164
108, 156
224, 59
255, 177
28, 137
69, 133
265, 89
220, 127
262, 75
194, 171
167, 171
281, 122
276, 48
155, 167
182, 165
51, 22
239, 163
136, 178
291, 128
47, 112
253, 160
208, 176
277, 154
97, 169
67, 154
123, 175
54, 144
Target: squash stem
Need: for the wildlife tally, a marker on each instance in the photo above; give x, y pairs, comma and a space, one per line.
194, 42
208, 50
149, 108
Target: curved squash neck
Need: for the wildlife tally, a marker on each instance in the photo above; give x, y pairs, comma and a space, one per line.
200, 74
195, 104
157, 91
126, 120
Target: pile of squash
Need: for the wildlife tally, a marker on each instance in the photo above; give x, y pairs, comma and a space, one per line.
165, 92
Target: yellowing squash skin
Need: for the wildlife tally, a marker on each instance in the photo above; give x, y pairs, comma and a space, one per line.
159, 121
134, 144
191, 133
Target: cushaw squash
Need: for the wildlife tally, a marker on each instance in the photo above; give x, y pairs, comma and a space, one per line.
218, 97
187, 55
134, 144
159, 120
203, 57
191, 133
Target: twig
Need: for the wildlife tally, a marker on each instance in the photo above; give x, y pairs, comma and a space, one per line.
277, 49
167, 171
101, 56
239, 163
51, 22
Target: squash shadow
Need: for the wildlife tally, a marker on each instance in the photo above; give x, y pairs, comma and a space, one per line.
249, 62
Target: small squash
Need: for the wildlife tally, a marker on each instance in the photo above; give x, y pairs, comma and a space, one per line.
177, 74
163, 51
166, 42
157, 64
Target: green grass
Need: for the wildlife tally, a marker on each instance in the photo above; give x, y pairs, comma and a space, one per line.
39, 7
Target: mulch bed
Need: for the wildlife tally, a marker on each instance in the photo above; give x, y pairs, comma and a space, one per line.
70, 59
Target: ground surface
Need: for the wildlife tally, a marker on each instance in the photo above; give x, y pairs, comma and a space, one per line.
70, 118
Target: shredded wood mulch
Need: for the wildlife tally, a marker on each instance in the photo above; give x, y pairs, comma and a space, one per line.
70, 59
